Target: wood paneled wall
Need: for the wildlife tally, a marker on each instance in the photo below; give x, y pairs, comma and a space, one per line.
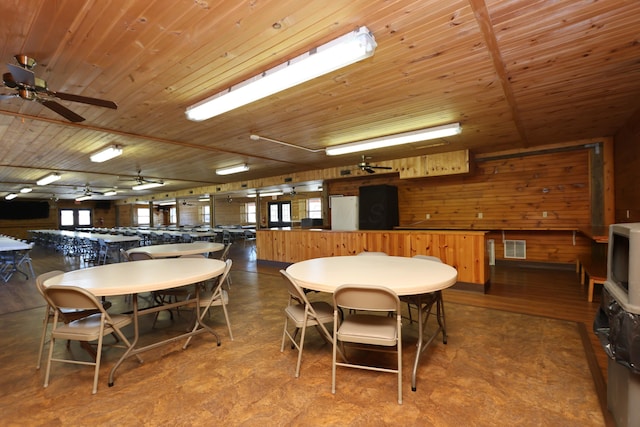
511, 193
627, 174
464, 250
20, 228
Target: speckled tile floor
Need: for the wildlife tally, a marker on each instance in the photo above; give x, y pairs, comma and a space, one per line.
498, 369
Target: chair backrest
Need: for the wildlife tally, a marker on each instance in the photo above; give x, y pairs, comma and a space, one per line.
366, 297
225, 252
124, 255
295, 291
139, 256
366, 253
43, 277
217, 287
72, 297
428, 258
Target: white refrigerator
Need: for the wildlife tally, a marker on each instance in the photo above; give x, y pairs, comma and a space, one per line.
344, 213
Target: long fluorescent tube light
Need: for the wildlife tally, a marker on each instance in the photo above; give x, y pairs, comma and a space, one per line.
147, 185
110, 193
83, 198
232, 169
26, 190
268, 194
397, 139
48, 179
10, 196
338, 53
106, 154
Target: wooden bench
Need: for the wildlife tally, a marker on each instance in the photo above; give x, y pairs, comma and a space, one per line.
593, 267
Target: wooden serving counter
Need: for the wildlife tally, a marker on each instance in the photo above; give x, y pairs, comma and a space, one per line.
464, 250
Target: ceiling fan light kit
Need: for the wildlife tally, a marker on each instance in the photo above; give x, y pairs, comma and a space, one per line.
338, 53
232, 169
48, 179
397, 139
106, 154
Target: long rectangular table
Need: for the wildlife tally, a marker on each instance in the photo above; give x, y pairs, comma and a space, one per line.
10, 251
133, 278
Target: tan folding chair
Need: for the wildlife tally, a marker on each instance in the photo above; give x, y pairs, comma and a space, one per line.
216, 297
369, 328
66, 316
303, 313
425, 303
86, 329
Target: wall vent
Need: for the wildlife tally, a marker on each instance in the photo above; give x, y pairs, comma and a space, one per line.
515, 249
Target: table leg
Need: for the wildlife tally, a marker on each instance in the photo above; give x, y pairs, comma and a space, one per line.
423, 316
136, 335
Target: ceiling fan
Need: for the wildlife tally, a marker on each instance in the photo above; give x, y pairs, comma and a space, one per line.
31, 88
369, 168
140, 180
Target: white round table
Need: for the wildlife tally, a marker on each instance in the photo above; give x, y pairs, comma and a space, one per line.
406, 276
178, 249
145, 276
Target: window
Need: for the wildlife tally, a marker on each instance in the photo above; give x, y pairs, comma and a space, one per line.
144, 216
205, 214
250, 212
314, 207
173, 218
71, 218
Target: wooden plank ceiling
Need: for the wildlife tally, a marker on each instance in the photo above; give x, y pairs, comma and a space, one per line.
515, 74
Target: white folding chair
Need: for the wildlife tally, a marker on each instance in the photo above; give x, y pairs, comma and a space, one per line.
90, 328
303, 313
370, 327
216, 297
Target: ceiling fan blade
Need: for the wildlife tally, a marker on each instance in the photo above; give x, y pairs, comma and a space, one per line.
369, 170
20, 75
63, 111
84, 99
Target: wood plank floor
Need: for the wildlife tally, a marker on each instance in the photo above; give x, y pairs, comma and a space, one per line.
545, 292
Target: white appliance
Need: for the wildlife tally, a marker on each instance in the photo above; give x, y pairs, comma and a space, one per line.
344, 213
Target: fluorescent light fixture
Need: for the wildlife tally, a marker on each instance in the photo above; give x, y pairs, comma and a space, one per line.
345, 50
204, 199
26, 190
267, 194
11, 196
83, 197
232, 169
106, 154
147, 185
166, 203
48, 179
397, 139
110, 193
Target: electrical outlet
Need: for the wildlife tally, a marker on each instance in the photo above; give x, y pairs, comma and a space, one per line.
544, 214
428, 216
479, 215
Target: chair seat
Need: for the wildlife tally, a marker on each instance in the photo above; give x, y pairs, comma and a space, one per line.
88, 328
369, 329
324, 313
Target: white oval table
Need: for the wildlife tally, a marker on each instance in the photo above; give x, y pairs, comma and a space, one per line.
178, 249
132, 278
422, 279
